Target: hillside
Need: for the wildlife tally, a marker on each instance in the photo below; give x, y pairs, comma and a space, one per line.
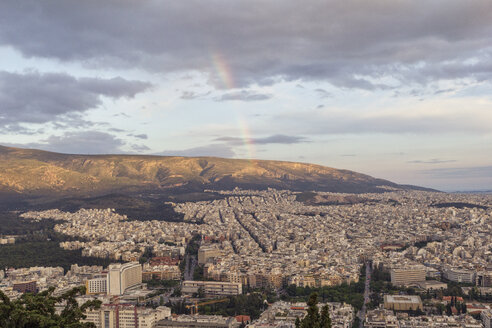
35, 172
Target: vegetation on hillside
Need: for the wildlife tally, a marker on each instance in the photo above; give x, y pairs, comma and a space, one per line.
34, 172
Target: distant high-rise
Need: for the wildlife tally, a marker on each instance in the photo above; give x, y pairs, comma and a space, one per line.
97, 285
123, 276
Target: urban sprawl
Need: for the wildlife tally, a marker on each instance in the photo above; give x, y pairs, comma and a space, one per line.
428, 245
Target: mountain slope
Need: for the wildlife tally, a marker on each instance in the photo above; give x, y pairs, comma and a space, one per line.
28, 171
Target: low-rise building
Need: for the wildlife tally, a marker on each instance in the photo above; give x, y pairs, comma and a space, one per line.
431, 285
486, 318
126, 316
212, 288
402, 302
205, 253
25, 286
380, 318
407, 275
198, 321
459, 275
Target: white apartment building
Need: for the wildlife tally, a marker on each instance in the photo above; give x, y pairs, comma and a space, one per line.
407, 275
97, 285
212, 288
459, 275
123, 276
126, 316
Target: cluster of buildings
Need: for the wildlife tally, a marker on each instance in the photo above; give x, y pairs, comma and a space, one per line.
6, 240
267, 238
121, 315
15, 282
284, 314
384, 318
106, 234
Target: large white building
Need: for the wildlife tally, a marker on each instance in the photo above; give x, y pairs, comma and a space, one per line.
212, 288
407, 275
459, 275
123, 276
126, 316
97, 285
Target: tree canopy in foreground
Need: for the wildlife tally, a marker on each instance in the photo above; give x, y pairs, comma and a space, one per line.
38, 310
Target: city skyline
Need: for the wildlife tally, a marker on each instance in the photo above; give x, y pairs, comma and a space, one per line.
397, 90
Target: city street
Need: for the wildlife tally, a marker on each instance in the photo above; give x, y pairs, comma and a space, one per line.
362, 312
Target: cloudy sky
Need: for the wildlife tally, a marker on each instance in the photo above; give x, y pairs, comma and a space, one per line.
400, 90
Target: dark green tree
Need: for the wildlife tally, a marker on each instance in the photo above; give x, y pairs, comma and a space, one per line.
312, 319
38, 310
325, 317
298, 322
448, 309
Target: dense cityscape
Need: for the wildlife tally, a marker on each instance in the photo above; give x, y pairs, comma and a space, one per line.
427, 255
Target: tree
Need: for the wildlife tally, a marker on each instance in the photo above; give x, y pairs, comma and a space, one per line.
312, 319
298, 322
325, 317
38, 310
448, 309
201, 292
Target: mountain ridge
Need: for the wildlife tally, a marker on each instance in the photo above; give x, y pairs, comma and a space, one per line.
31, 171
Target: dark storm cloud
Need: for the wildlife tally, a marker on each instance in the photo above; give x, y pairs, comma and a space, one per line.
273, 139
214, 150
244, 95
39, 98
351, 44
86, 142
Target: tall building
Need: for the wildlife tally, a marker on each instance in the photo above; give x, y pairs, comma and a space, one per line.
123, 276
126, 316
97, 285
408, 275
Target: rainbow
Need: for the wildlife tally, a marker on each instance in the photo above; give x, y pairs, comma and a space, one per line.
224, 73
246, 137
223, 70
